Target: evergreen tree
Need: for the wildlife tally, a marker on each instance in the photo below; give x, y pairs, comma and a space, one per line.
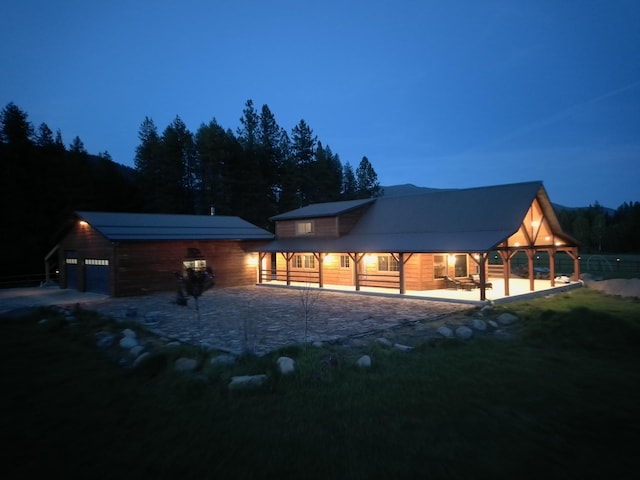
215, 150
303, 151
44, 136
327, 175
178, 168
349, 185
148, 164
16, 130
367, 180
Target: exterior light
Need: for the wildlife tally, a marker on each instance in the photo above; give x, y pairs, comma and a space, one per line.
517, 244
83, 223
369, 259
252, 261
535, 223
558, 244
328, 258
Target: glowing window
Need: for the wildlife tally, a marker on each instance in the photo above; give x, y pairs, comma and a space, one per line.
304, 228
345, 261
386, 263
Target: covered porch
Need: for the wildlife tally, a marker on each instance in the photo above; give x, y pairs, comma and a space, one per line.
519, 289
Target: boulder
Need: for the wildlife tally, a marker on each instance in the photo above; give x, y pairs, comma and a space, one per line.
477, 324
286, 365
402, 348
506, 319
384, 342
445, 332
364, 361
224, 359
464, 333
184, 364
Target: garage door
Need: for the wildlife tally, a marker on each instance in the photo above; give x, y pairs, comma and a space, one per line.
71, 269
97, 275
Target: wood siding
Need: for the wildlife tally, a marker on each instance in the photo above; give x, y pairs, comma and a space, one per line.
137, 268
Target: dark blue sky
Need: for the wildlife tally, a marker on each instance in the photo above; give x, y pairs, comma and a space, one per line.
439, 94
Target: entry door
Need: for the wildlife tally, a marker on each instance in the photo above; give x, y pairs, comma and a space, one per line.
71, 269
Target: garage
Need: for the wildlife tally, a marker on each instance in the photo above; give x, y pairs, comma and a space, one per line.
97, 275
71, 269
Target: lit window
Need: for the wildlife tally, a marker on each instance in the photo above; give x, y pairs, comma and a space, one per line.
304, 228
71, 261
96, 261
304, 261
196, 265
345, 261
387, 263
439, 266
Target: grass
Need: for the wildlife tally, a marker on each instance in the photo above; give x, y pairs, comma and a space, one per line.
560, 401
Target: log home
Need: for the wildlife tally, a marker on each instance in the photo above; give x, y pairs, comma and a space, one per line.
426, 241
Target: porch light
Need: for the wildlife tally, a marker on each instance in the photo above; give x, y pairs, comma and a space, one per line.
558, 244
83, 223
252, 261
517, 244
452, 259
547, 238
535, 223
328, 258
369, 260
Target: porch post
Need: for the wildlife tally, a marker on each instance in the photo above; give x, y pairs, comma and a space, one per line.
401, 266
320, 257
261, 256
530, 254
506, 269
483, 275
552, 266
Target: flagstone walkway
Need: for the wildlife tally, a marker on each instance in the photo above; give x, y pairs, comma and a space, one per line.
261, 319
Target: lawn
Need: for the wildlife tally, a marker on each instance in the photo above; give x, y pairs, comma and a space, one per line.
562, 400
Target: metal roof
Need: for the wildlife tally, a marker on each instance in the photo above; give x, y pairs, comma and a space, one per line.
466, 220
327, 209
155, 226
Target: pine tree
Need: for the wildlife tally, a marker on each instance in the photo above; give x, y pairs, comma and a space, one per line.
367, 180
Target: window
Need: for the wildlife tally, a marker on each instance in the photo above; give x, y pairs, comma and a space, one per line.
71, 261
387, 263
439, 266
461, 265
96, 261
345, 261
304, 228
196, 265
304, 261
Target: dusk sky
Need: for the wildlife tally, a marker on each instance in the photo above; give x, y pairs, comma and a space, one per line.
448, 94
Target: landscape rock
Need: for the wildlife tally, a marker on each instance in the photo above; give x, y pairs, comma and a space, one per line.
141, 359
286, 365
477, 324
402, 348
128, 342
464, 333
364, 361
445, 332
493, 323
384, 342
184, 364
105, 339
507, 319
243, 382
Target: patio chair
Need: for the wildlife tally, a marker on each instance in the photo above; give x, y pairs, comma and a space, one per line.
476, 280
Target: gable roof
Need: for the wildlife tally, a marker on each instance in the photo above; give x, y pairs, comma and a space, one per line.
155, 226
465, 220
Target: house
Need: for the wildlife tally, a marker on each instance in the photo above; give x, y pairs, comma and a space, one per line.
417, 241
122, 254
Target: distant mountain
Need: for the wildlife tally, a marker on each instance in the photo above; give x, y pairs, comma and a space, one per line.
406, 189
411, 189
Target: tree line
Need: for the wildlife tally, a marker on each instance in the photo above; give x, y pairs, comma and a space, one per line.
257, 172
254, 173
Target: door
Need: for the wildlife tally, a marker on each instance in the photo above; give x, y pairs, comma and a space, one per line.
97, 275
